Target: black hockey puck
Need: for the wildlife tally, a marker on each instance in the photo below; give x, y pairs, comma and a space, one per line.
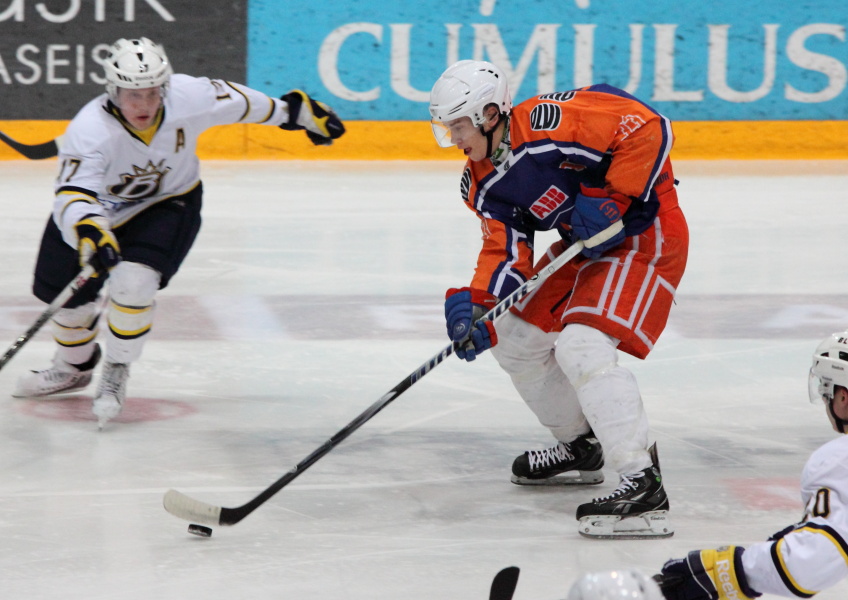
200, 530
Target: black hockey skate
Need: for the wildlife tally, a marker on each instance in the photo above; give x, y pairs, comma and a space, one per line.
577, 462
638, 509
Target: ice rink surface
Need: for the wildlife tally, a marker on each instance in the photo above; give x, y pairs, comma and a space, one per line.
312, 290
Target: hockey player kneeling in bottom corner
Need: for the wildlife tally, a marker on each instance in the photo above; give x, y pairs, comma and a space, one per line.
578, 162
805, 558
128, 200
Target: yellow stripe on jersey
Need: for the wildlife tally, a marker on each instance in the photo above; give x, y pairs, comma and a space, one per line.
246, 101
74, 197
783, 570
270, 111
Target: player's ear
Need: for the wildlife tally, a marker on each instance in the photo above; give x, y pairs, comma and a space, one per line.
491, 112
840, 402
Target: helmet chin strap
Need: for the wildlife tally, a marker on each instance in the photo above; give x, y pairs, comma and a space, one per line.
493, 151
491, 134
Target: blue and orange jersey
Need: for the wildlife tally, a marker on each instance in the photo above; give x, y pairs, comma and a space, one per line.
599, 137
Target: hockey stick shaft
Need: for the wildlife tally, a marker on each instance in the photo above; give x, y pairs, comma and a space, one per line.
190, 509
32, 151
66, 294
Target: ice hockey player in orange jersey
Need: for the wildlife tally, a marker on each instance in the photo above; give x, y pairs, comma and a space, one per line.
577, 162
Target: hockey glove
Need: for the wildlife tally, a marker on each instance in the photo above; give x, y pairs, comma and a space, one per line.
707, 575
463, 309
96, 243
593, 212
321, 123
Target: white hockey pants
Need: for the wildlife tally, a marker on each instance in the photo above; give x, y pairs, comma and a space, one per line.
572, 381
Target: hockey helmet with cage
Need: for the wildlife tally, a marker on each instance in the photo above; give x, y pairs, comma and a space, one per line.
465, 89
136, 64
627, 584
830, 369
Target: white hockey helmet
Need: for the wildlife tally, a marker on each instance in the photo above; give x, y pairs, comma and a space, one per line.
465, 89
136, 64
628, 584
830, 367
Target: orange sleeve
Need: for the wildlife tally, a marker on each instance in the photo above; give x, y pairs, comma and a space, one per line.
505, 260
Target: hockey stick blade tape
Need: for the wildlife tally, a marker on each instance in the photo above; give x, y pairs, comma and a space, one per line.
189, 509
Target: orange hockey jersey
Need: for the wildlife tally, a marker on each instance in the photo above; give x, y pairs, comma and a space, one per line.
598, 136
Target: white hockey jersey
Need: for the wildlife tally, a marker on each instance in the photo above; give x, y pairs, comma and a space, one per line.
105, 169
814, 556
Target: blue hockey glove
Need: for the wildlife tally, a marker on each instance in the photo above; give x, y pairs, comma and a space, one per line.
97, 244
593, 212
321, 123
463, 308
707, 575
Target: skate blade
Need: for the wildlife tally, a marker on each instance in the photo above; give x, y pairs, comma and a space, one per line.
654, 524
568, 478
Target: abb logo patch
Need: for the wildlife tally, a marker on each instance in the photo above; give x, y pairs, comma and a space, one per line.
549, 202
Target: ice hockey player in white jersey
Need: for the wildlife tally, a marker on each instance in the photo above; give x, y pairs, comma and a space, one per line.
128, 200
802, 559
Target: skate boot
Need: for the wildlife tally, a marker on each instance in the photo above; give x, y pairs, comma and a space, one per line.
638, 509
577, 462
61, 378
110, 393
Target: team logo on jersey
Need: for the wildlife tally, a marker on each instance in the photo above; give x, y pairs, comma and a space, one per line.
545, 116
465, 184
142, 183
549, 202
629, 124
558, 96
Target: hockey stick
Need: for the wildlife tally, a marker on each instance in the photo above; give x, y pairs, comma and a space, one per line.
33, 151
66, 294
503, 585
185, 507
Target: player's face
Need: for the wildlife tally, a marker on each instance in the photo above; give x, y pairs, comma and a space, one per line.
840, 406
139, 107
467, 138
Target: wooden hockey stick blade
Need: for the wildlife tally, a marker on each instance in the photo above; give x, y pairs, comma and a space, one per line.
503, 585
34, 151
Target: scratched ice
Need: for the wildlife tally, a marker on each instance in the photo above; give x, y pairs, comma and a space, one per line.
313, 289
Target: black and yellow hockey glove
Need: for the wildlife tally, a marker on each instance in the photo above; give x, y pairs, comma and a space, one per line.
320, 122
97, 244
706, 575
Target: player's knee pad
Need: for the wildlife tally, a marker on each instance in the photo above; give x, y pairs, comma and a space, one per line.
521, 346
75, 326
584, 352
133, 284
80, 316
132, 287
